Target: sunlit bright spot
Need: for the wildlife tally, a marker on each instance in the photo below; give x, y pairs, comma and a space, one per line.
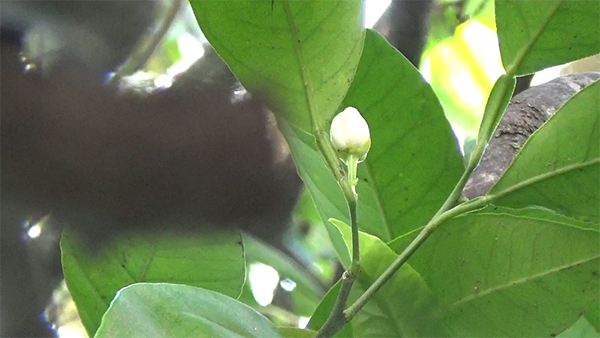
480, 33
62, 314
588, 64
109, 76
163, 81
263, 281
64, 332
318, 267
468, 92
426, 70
288, 285
141, 80
373, 11
460, 137
546, 75
484, 44
30, 67
34, 231
445, 51
190, 47
238, 94
303, 322
191, 50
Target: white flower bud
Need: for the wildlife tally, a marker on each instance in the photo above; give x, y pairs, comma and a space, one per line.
350, 134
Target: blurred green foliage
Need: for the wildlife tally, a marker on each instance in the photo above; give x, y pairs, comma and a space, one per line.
525, 264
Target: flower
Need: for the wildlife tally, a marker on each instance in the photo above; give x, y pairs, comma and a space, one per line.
350, 134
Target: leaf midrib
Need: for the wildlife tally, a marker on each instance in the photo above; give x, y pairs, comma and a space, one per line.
517, 282
523, 52
306, 80
539, 178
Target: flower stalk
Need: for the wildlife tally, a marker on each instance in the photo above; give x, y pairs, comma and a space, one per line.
351, 140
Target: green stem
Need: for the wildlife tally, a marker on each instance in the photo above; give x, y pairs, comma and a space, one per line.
337, 319
447, 211
352, 168
456, 193
352, 200
355, 264
407, 253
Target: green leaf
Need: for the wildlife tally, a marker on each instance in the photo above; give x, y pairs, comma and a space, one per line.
482, 10
538, 34
294, 332
542, 214
581, 329
301, 54
535, 269
325, 190
213, 261
324, 309
306, 209
592, 314
559, 166
387, 314
495, 107
414, 161
170, 310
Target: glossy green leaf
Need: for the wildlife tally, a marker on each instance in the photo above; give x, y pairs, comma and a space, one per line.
214, 262
538, 34
414, 161
171, 310
533, 269
301, 54
404, 307
559, 166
